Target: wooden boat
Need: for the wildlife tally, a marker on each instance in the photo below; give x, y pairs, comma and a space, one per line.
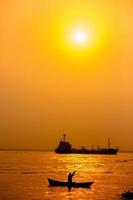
65, 184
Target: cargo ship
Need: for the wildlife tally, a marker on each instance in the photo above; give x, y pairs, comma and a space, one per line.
65, 147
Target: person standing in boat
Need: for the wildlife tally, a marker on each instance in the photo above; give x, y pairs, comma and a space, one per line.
70, 176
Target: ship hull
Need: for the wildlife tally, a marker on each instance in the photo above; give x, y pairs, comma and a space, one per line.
88, 153
100, 151
80, 151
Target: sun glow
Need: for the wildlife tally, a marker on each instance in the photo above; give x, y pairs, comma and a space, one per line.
77, 39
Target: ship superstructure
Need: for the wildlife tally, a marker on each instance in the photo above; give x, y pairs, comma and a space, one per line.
64, 146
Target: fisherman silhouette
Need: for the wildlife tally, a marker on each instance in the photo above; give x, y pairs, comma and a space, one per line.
70, 176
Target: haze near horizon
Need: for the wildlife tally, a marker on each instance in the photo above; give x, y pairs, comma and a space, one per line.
66, 67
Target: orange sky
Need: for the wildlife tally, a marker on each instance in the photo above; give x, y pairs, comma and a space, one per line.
50, 86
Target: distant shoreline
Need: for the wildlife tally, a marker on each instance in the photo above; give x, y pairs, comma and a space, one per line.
26, 150
126, 151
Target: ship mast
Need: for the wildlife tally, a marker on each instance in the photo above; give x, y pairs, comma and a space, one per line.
108, 143
64, 137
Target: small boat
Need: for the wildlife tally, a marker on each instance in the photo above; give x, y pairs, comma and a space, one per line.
65, 184
127, 195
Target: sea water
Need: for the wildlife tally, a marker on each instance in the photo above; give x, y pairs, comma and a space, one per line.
23, 175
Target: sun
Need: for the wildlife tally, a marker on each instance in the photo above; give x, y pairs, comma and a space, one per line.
80, 37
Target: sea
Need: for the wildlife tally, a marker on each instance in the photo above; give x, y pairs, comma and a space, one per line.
23, 175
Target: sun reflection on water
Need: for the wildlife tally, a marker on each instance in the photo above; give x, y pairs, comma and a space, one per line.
25, 174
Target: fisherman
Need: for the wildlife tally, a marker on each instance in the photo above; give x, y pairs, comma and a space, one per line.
70, 176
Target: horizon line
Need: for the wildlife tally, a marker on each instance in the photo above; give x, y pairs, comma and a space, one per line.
13, 149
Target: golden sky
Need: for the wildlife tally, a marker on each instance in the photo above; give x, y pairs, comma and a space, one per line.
51, 84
